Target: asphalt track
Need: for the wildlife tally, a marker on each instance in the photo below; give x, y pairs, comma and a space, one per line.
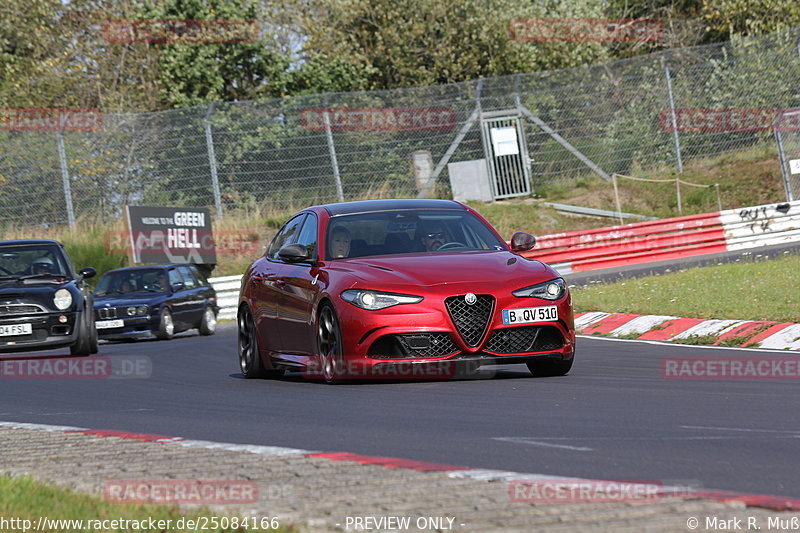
612, 417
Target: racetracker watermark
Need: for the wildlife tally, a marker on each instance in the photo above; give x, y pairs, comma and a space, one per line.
153, 242
379, 119
50, 119
357, 369
181, 492
180, 31
93, 367
698, 120
557, 490
586, 30
766, 368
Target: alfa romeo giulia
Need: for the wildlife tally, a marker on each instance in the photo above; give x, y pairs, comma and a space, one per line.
352, 288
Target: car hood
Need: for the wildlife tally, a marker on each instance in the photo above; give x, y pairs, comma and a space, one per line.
42, 294
448, 268
121, 300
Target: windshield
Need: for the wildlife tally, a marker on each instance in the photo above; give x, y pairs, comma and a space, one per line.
34, 261
408, 231
125, 281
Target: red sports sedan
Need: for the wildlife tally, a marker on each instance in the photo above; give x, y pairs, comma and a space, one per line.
361, 289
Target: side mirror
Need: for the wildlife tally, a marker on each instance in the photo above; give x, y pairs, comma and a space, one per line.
294, 253
522, 242
87, 272
177, 286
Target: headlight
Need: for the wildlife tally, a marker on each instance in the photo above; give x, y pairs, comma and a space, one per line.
549, 290
62, 298
141, 310
373, 300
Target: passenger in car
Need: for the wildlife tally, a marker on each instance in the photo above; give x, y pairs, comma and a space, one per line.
340, 242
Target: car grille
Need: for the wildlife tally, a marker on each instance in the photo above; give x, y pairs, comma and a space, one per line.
20, 309
525, 339
415, 345
471, 321
105, 313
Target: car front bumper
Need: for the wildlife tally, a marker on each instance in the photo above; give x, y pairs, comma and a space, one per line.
48, 331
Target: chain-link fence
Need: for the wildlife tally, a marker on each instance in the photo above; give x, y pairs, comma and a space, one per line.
619, 117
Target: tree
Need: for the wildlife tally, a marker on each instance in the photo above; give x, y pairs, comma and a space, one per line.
192, 73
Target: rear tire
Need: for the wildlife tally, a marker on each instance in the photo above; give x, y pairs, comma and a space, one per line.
250, 361
208, 324
166, 326
550, 368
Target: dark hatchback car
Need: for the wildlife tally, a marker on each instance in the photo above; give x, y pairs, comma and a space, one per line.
44, 303
158, 300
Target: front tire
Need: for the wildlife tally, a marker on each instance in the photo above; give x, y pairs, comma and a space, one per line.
87, 337
208, 324
166, 326
329, 345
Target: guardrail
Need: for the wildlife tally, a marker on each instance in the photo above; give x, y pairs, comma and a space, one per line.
671, 238
227, 288
640, 242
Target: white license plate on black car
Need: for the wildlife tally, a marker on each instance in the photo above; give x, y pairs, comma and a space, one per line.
8, 330
528, 315
107, 324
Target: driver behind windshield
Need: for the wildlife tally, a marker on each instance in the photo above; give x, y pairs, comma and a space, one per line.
430, 234
42, 266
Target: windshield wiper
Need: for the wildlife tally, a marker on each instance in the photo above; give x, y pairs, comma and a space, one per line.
33, 276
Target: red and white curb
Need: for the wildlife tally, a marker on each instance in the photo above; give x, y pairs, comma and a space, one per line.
776, 503
751, 333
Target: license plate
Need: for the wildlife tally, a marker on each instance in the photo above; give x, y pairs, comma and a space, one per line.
106, 324
8, 330
527, 315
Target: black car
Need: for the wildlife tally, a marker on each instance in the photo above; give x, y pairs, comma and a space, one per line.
155, 299
44, 303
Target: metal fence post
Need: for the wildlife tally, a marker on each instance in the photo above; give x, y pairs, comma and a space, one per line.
212, 160
782, 157
798, 43
673, 118
62, 157
332, 150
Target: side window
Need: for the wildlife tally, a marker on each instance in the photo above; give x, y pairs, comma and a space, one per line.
287, 235
188, 278
201, 279
174, 276
308, 235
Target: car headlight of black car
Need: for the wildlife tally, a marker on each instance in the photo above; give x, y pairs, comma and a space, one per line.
374, 300
549, 290
136, 310
62, 299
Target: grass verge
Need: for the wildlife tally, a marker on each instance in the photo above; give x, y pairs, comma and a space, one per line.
25, 499
751, 289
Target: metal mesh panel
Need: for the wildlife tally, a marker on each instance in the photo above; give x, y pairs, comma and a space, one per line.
525, 339
269, 153
471, 320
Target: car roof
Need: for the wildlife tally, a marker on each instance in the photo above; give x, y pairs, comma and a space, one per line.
366, 206
30, 241
140, 267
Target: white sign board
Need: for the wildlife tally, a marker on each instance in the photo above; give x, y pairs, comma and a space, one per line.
794, 166
504, 141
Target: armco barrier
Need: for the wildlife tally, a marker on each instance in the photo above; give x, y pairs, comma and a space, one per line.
671, 238
640, 242
227, 288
